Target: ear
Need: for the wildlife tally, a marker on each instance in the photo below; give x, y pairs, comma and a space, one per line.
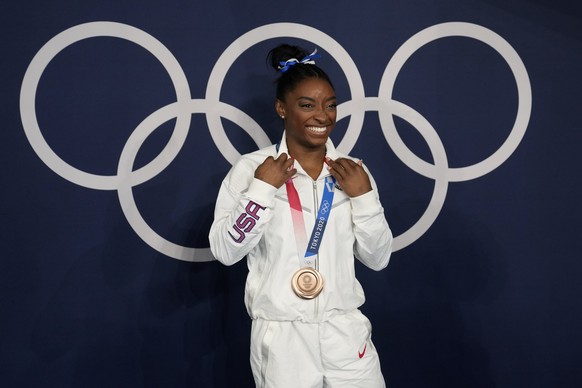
280, 108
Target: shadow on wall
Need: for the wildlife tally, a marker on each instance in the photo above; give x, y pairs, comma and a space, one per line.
430, 319
121, 317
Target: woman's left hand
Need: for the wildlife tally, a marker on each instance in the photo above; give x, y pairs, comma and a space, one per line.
350, 176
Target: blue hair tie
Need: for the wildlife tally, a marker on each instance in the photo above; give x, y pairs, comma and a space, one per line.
308, 60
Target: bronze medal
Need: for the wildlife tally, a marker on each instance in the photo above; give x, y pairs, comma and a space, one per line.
307, 283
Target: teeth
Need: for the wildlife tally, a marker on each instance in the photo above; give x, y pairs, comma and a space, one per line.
316, 129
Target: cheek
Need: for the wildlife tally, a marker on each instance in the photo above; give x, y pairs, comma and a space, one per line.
298, 117
293, 123
333, 116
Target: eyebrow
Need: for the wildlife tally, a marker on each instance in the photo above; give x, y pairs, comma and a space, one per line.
313, 99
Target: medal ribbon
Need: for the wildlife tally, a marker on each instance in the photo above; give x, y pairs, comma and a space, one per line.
320, 222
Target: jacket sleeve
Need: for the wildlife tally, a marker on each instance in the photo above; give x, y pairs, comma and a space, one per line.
243, 209
373, 245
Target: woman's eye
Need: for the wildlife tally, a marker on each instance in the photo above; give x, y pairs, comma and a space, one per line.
332, 106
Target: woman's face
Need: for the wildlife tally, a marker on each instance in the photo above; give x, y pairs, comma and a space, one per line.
310, 113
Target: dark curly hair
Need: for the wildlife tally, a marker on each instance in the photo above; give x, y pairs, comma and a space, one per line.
296, 73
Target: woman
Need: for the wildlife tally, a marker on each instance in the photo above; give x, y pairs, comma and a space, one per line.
300, 211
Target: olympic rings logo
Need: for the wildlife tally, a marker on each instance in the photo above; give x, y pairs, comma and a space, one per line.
324, 207
185, 106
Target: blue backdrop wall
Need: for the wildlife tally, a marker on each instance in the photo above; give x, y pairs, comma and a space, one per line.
119, 120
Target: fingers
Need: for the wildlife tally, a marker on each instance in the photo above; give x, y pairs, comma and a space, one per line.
282, 161
342, 168
276, 171
285, 161
285, 164
350, 175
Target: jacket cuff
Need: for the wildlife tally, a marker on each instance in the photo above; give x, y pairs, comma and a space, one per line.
261, 192
366, 204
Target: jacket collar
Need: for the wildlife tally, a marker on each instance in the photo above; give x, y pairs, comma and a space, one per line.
330, 152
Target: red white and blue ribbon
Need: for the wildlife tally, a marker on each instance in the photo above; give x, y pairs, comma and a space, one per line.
312, 246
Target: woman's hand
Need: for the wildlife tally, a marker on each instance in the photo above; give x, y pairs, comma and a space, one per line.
276, 171
350, 175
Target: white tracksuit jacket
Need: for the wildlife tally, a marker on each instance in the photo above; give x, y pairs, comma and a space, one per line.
253, 219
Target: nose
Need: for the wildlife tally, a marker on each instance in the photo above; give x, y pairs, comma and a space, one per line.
321, 115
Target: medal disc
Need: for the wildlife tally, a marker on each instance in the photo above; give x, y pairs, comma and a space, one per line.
307, 283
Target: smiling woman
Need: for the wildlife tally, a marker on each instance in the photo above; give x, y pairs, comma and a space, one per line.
309, 113
302, 294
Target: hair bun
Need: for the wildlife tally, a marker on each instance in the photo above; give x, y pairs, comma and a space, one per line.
283, 53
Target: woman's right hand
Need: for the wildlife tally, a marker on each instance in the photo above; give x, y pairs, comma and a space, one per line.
276, 171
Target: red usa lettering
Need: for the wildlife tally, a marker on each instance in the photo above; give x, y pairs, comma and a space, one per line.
246, 221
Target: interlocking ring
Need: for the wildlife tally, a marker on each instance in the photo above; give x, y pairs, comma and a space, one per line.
214, 109
325, 207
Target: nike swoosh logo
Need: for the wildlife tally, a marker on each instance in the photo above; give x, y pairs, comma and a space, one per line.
363, 351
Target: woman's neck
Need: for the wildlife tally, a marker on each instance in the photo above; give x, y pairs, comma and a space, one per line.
310, 159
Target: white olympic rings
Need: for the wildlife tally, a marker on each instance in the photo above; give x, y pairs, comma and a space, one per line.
523, 90
184, 107
65, 39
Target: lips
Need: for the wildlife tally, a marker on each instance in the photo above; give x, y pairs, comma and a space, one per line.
317, 130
